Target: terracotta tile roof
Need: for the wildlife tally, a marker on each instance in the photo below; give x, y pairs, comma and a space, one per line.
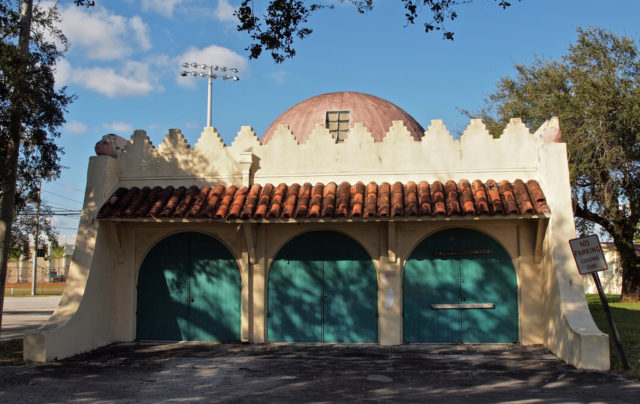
328, 200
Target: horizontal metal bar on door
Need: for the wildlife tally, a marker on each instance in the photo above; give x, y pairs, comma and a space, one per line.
463, 306
461, 252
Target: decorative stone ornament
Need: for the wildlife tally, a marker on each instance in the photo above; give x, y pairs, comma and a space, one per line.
109, 145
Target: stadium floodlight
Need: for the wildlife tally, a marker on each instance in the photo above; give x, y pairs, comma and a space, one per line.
210, 76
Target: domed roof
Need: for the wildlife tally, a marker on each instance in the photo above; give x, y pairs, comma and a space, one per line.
374, 113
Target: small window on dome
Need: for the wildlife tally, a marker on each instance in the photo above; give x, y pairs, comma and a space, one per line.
338, 124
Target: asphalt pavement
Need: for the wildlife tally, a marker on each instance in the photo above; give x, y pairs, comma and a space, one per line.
164, 372
312, 373
26, 314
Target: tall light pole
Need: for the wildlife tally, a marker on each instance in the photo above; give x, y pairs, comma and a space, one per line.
209, 74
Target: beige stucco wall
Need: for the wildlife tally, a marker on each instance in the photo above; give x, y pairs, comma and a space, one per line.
571, 332
611, 279
98, 306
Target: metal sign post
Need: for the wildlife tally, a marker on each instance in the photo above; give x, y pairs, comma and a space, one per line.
588, 255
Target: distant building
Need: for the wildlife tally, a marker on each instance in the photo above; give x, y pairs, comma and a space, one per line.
346, 222
49, 268
611, 279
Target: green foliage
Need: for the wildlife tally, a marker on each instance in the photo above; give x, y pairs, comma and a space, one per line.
285, 21
57, 252
595, 91
28, 96
626, 316
27, 86
24, 227
14, 255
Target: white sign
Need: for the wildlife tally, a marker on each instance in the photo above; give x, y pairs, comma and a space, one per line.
588, 254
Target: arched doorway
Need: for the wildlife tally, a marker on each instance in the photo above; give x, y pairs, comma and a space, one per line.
323, 288
189, 289
460, 285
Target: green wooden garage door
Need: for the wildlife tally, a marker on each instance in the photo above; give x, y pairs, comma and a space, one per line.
460, 286
189, 289
323, 288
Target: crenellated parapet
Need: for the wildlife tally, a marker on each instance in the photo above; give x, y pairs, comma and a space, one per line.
437, 156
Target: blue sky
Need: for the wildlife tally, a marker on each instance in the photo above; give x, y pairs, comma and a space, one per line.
125, 57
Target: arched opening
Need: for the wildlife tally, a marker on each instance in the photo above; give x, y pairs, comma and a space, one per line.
189, 290
322, 288
460, 285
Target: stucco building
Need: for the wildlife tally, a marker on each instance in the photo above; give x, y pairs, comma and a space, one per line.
345, 222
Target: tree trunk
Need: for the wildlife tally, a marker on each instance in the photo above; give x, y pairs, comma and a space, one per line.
630, 272
623, 240
11, 157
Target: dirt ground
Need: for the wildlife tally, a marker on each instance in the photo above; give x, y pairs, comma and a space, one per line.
209, 372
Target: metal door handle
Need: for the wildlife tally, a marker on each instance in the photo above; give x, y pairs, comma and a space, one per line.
191, 299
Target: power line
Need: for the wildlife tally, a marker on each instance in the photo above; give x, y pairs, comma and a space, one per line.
61, 208
66, 213
62, 196
67, 187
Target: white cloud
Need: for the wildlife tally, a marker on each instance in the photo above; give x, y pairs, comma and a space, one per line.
75, 127
211, 55
224, 11
278, 76
118, 126
193, 125
162, 7
133, 79
62, 72
141, 32
103, 35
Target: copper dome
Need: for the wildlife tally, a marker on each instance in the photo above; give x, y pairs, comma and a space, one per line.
375, 113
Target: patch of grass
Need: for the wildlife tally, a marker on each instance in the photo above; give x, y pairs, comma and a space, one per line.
24, 289
11, 352
627, 319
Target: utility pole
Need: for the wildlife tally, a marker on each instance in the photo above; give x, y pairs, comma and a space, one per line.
35, 238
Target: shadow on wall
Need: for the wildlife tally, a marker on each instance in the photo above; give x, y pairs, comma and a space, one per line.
189, 289
455, 267
322, 288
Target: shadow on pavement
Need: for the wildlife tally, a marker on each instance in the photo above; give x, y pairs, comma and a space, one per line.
161, 372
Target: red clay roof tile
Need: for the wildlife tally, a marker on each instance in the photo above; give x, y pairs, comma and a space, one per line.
437, 196
357, 200
384, 196
344, 196
451, 192
397, 199
158, 205
266, 193
424, 199
188, 200
290, 201
304, 196
172, 203
251, 202
495, 201
316, 200
277, 201
480, 198
225, 202
411, 199
466, 198
506, 192
371, 198
328, 201
537, 196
